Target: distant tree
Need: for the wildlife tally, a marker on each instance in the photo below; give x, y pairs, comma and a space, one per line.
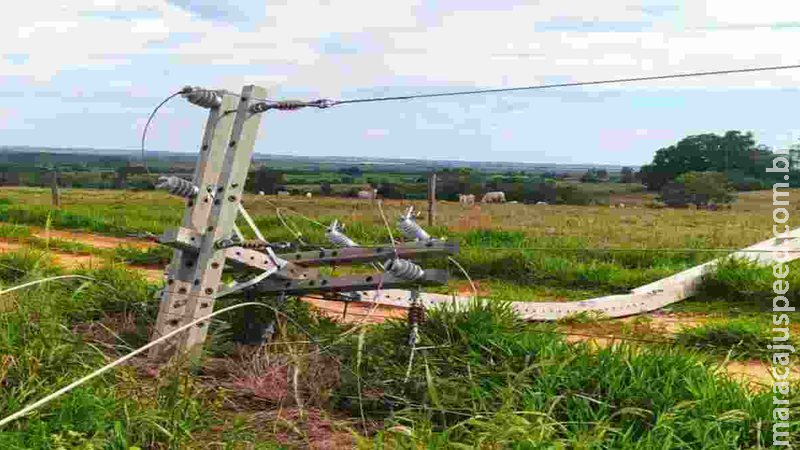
698, 188
389, 190
627, 175
353, 171
541, 192
733, 151
594, 175
325, 189
267, 181
450, 183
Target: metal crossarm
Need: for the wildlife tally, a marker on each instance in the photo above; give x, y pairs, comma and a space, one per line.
368, 282
409, 250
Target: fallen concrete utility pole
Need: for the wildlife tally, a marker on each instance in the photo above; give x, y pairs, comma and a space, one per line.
640, 300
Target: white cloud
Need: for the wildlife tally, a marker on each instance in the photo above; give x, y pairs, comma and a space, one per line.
481, 48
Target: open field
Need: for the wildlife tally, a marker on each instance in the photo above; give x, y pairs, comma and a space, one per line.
690, 377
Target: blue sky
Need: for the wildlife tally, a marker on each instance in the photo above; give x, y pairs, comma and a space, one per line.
87, 73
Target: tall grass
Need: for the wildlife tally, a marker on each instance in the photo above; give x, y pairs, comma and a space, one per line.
484, 379
481, 378
43, 344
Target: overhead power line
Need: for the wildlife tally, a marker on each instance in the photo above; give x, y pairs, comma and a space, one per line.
571, 84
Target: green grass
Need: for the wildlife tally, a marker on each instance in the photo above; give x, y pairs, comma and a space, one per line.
487, 380
41, 350
742, 339
481, 379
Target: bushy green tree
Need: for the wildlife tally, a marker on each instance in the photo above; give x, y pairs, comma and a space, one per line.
698, 188
733, 151
595, 175
627, 175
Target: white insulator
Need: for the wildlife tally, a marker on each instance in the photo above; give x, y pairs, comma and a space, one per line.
402, 268
410, 228
337, 238
177, 186
203, 98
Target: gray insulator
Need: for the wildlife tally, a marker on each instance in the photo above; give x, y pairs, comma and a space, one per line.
203, 98
411, 228
177, 186
337, 238
404, 269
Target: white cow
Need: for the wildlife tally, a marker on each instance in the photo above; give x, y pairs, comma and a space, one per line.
368, 195
466, 199
494, 197
308, 194
283, 193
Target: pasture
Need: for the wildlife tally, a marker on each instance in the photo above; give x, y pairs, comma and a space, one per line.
688, 377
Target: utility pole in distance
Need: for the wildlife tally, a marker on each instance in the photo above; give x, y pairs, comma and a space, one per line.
54, 190
431, 198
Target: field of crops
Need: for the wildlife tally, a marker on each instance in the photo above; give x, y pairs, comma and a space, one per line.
483, 378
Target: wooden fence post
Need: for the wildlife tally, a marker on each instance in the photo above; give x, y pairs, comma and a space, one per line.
54, 190
431, 198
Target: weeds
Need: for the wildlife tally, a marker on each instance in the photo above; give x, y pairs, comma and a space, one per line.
488, 380
742, 339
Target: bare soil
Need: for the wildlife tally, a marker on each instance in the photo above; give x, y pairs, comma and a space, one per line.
94, 240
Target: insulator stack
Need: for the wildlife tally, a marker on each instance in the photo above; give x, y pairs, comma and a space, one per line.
404, 269
177, 186
203, 97
337, 238
416, 314
254, 244
410, 228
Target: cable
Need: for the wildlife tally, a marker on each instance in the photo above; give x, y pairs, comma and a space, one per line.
150, 119
294, 211
107, 367
44, 280
572, 84
466, 274
388, 228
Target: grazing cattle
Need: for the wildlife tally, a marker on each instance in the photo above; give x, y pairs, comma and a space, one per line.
308, 194
466, 199
541, 203
283, 193
260, 192
368, 195
494, 197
